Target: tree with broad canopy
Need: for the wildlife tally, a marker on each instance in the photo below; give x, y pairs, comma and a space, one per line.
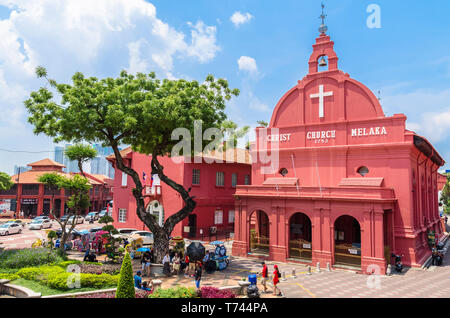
137, 110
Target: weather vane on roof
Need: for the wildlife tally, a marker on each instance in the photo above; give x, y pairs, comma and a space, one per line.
323, 28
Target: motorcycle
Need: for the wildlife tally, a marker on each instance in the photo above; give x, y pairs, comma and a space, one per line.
398, 262
437, 254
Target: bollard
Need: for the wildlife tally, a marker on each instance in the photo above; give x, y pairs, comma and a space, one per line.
309, 270
318, 267
328, 267
283, 276
389, 270
293, 273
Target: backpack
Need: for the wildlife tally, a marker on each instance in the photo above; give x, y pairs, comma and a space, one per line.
279, 274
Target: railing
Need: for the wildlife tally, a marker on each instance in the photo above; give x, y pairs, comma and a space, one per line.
259, 244
221, 234
325, 192
300, 248
347, 254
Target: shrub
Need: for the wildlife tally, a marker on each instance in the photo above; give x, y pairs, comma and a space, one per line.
138, 294
95, 269
9, 276
28, 257
178, 292
125, 287
213, 292
39, 273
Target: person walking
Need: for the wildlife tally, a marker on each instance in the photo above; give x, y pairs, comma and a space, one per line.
264, 276
186, 264
276, 277
176, 263
166, 265
198, 275
146, 262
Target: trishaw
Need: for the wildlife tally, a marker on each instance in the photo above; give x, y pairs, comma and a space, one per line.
136, 242
99, 242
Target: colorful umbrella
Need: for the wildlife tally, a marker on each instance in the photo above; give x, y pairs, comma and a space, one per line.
143, 249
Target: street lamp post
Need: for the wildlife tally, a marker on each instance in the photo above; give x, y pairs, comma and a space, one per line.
17, 193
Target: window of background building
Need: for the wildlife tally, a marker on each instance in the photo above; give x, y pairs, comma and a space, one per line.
220, 179
122, 215
124, 179
247, 180
196, 176
231, 216
234, 180
218, 217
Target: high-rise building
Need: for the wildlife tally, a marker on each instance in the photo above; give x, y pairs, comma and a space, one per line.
22, 169
59, 154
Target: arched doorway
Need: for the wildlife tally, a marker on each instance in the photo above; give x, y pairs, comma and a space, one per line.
347, 241
156, 209
300, 246
259, 233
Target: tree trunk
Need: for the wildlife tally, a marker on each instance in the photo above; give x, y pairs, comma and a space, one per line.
160, 234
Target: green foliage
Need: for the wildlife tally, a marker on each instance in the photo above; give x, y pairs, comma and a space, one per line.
101, 110
178, 292
445, 194
125, 287
56, 277
9, 276
28, 257
262, 123
106, 219
80, 153
5, 181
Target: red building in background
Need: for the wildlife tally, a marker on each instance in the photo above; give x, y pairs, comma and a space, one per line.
34, 198
212, 184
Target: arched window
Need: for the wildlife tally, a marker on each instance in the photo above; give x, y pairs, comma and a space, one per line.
363, 170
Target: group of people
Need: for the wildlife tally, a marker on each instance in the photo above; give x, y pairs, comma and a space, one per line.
275, 279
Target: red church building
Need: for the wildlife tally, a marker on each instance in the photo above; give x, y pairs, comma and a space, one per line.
212, 184
352, 185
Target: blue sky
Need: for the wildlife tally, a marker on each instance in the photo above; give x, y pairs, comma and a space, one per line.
407, 59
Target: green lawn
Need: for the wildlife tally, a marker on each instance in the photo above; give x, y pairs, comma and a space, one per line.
45, 290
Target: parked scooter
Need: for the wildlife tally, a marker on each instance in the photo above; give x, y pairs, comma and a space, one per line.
437, 254
398, 262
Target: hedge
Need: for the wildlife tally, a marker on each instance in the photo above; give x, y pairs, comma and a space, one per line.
28, 257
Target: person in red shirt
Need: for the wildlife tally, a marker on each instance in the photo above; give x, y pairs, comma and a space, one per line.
276, 276
264, 276
186, 261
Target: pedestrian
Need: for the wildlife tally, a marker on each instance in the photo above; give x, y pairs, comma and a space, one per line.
198, 275
191, 267
166, 265
138, 280
264, 276
276, 276
146, 263
186, 264
176, 263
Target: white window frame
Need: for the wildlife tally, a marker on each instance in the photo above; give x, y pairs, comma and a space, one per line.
122, 216
220, 179
124, 179
234, 179
231, 216
195, 176
218, 217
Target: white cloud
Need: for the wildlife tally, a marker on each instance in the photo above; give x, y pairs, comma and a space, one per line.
248, 64
99, 38
238, 18
203, 45
433, 126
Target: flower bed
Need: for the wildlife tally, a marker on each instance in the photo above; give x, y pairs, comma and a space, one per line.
139, 294
213, 292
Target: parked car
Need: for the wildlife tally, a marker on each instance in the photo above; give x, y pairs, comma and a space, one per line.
91, 216
40, 224
102, 213
147, 237
63, 218
20, 222
74, 234
10, 228
123, 233
80, 219
42, 217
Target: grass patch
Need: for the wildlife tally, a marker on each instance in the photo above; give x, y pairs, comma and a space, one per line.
45, 290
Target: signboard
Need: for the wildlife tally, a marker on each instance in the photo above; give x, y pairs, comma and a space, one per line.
353, 251
307, 246
5, 205
29, 201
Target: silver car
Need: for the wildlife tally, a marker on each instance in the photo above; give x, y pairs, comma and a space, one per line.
40, 224
147, 237
10, 228
80, 219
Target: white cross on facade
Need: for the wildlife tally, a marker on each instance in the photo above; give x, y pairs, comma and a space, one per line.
321, 96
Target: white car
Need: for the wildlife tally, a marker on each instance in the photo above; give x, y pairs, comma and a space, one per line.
19, 222
10, 228
124, 233
80, 220
91, 216
147, 237
40, 224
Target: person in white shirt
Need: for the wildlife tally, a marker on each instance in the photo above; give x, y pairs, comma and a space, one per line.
166, 263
